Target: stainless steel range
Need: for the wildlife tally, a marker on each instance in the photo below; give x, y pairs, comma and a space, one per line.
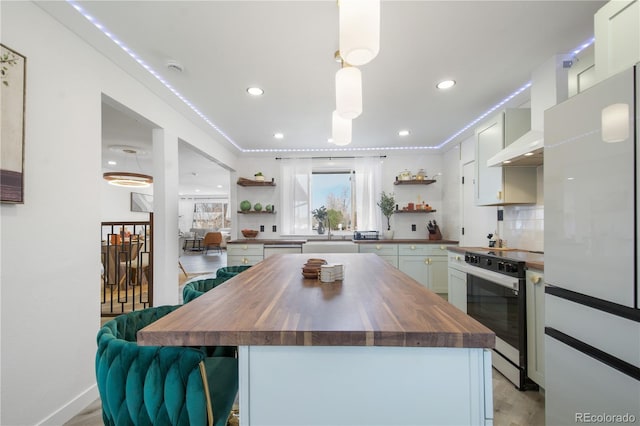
496, 298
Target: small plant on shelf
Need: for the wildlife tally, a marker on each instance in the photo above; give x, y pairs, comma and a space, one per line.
259, 176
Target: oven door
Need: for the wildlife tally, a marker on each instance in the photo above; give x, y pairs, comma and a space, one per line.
497, 301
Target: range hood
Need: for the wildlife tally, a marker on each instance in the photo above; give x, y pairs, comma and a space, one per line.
549, 86
527, 150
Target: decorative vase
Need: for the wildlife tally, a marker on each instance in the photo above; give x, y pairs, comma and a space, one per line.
388, 235
320, 228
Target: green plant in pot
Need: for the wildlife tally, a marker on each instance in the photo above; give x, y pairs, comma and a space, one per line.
387, 205
320, 214
259, 176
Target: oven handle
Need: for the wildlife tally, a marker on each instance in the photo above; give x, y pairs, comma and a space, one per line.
494, 277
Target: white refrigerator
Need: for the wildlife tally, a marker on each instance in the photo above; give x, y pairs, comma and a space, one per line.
592, 256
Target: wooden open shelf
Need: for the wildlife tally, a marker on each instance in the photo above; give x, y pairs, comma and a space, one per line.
414, 182
255, 212
415, 211
249, 182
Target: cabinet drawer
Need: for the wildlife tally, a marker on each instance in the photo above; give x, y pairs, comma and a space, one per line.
422, 250
380, 249
456, 261
243, 260
245, 250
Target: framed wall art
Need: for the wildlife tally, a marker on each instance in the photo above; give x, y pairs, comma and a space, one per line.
141, 202
12, 99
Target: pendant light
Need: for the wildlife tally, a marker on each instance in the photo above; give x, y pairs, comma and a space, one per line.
340, 129
349, 91
128, 179
359, 30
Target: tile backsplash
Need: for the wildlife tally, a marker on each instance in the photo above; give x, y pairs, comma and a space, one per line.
523, 227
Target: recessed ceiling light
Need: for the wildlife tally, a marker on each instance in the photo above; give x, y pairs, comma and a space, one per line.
255, 91
197, 190
506, 161
278, 135
330, 140
403, 133
219, 186
446, 84
111, 163
528, 154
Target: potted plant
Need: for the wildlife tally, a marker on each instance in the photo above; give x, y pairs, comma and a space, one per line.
387, 205
259, 177
320, 214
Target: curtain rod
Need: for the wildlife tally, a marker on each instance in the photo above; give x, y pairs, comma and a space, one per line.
328, 158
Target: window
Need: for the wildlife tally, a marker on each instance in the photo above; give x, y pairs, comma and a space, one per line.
209, 215
355, 187
334, 190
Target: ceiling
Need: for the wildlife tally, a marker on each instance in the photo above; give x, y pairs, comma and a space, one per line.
287, 48
198, 174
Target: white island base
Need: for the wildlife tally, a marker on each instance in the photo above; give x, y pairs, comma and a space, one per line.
364, 385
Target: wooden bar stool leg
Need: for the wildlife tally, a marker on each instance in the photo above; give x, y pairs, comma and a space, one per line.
183, 270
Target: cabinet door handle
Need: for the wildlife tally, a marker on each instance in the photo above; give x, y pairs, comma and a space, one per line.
244, 247
536, 279
413, 247
457, 257
378, 247
441, 247
245, 260
427, 261
499, 195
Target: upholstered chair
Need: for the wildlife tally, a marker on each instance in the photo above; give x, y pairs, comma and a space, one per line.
197, 287
153, 385
212, 240
231, 271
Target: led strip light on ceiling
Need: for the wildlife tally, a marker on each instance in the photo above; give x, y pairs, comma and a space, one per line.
186, 101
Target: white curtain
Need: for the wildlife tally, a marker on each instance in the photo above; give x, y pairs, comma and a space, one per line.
368, 189
295, 175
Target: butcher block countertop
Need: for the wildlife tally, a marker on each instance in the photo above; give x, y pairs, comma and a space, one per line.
337, 240
272, 304
406, 241
267, 242
532, 260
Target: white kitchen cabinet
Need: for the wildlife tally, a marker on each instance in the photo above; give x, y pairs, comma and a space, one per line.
617, 33
535, 325
503, 185
388, 252
582, 73
457, 281
425, 263
244, 254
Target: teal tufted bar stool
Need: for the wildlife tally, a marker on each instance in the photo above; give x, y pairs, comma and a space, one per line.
196, 288
231, 271
154, 385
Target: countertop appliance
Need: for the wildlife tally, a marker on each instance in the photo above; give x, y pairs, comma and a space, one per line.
592, 206
496, 298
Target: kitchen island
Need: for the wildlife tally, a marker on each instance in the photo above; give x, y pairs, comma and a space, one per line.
374, 348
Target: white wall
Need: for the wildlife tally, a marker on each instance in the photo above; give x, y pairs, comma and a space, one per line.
116, 203
451, 196
391, 167
50, 261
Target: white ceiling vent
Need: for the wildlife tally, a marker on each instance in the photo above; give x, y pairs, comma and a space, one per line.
175, 66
